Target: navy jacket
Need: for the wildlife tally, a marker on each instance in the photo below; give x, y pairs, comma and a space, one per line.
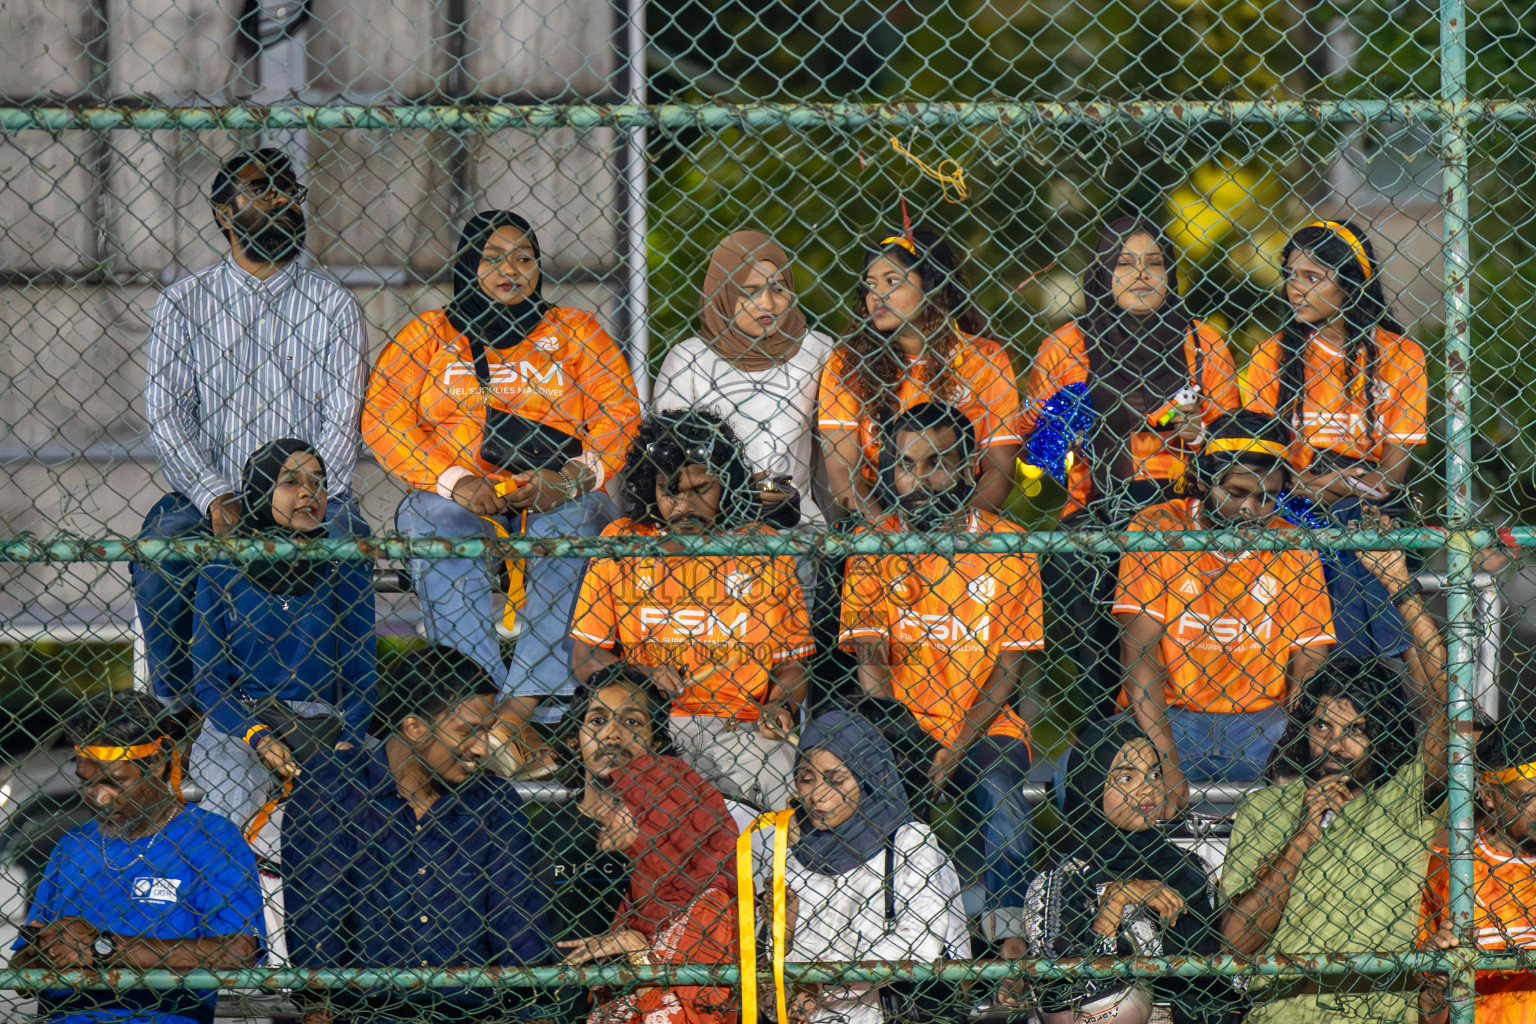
320, 646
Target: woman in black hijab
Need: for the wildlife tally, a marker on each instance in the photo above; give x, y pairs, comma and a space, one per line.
505, 414
1156, 376
283, 650
520, 305
1118, 886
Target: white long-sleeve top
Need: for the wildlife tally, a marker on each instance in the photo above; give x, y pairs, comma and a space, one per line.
842, 917
773, 411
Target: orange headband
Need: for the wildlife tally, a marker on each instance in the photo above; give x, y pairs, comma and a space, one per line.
1245, 444
137, 753
162, 745
905, 243
1349, 237
1519, 771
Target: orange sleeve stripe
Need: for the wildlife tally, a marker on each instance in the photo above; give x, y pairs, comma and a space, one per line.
792, 655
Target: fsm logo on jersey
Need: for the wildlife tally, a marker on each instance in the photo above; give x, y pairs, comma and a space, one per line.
982, 588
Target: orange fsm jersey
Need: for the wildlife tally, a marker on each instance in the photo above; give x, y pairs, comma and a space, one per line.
1230, 621
424, 413
739, 615
984, 389
1063, 360
1503, 917
947, 621
1334, 409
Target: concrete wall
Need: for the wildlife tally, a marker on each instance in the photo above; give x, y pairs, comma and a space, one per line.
92, 226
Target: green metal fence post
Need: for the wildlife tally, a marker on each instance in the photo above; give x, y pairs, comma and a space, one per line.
1454, 125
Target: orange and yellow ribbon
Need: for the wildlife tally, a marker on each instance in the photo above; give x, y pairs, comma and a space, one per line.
1245, 444
1508, 775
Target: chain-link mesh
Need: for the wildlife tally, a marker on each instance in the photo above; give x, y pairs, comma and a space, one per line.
1073, 457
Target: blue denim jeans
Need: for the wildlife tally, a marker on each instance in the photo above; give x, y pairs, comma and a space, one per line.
1225, 747
461, 605
991, 775
164, 593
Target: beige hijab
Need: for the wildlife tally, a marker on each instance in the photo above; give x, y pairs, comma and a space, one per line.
728, 267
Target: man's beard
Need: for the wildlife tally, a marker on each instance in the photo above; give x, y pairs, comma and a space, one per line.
677, 523
925, 510
270, 239
1357, 773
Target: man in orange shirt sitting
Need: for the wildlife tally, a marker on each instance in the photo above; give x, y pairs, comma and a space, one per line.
1504, 873
1217, 643
726, 635
945, 635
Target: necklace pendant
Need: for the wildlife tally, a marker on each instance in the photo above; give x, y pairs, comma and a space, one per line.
285, 604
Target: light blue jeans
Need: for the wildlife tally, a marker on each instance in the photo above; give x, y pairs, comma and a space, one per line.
1225, 747
460, 603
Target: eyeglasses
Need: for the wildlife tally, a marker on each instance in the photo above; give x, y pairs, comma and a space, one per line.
262, 190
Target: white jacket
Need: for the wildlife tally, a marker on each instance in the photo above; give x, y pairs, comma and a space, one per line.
842, 917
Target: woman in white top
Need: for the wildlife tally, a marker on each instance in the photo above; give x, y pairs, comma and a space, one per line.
757, 364
851, 900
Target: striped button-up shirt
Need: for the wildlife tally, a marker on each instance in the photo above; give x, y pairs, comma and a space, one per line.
235, 362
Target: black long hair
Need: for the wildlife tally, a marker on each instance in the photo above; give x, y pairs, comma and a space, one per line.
1375, 690
668, 441
872, 362
1365, 309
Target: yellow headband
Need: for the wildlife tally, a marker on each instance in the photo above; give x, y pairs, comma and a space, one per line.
1348, 236
905, 243
1245, 444
1519, 771
137, 753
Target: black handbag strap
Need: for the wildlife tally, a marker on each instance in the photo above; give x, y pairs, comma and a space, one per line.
890, 882
482, 365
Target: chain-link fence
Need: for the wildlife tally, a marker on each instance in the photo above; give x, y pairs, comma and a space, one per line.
473, 466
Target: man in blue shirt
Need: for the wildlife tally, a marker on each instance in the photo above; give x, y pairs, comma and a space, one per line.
149, 884
409, 856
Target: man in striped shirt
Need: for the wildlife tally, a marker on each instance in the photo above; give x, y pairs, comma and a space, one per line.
251, 349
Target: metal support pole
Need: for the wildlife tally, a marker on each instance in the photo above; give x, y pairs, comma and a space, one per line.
1455, 123
637, 290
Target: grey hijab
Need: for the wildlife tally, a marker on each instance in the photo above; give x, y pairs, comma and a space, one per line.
883, 804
